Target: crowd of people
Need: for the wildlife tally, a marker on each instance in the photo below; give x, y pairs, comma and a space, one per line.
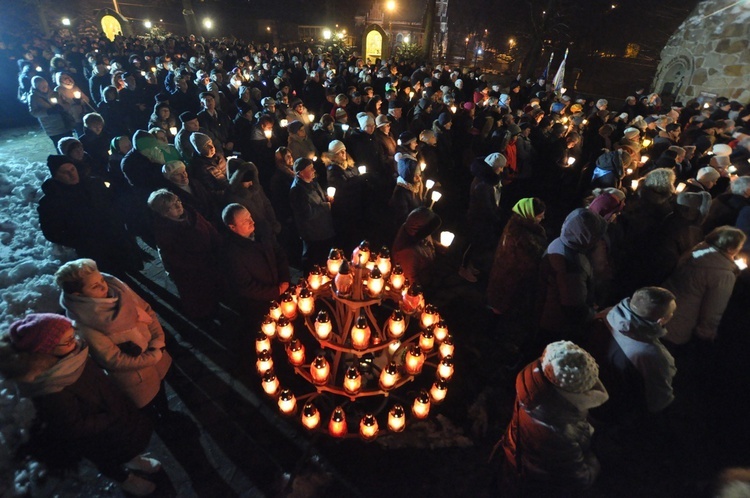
237, 160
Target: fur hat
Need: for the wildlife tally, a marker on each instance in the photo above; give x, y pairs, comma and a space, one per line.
187, 116
632, 133
569, 367
38, 332
381, 120
335, 146
295, 126
720, 162
496, 160
365, 119
54, 162
64, 144
722, 150
172, 167
199, 140
700, 201
606, 205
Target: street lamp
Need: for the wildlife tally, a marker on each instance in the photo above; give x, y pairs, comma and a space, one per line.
407, 39
208, 23
327, 34
147, 24
66, 21
390, 6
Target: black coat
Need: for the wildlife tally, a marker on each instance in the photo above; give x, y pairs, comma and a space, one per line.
311, 210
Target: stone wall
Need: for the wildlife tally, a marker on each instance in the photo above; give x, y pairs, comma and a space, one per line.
708, 53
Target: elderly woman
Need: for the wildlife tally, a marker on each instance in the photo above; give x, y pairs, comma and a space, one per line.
188, 245
245, 189
123, 332
208, 166
82, 412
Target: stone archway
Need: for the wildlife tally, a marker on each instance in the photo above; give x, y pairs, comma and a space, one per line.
675, 77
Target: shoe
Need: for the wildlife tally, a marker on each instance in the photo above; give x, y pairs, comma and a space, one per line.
144, 464
138, 486
467, 275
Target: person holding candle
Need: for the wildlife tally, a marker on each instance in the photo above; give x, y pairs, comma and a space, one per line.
72, 99
162, 118
409, 192
311, 208
414, 248
349, 209
45, 105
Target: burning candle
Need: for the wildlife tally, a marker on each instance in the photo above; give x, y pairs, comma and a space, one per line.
429, 184
680, 187
345, 127
414, 360
585, 122
383, 261
429, 316
733, 169
396, 419
264, 362
634, 184
315, 278
644, 159
421, 407
360, 334
571, 161
368, 427
361, 253
629, 171
311, 117
76, 94
434, 197
411, 95
268, 326
306, 302
352, 380
646, 142
440, 329
288, 306
284, 329
375, 283
438, 391
320, 370
296, 353
173, 130
389, 376
268, 134
331, 191
445, 368
270, 383
337, 425
446, 348
362, 169
396, 324
453, 109
107, 184
53, 100
426, 340
283, 123
397, 277
310, 416
344, 280
323, 326
446, 238
287, 402
422, 166
334, 261
262, 342
741, 263
275, 310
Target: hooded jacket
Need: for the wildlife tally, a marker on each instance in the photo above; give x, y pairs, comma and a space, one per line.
407, 194
608, 171
483, 214
566, 275
413, 248
252, 197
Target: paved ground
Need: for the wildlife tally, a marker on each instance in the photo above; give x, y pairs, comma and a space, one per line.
233, 442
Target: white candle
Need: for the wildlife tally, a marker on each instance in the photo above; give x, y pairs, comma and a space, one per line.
741, 263
331, 191
446, 238
362, 169
680, 187
429, 184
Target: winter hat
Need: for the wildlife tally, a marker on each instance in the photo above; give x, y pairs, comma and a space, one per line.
406, 137
444, 118
38, 332
187, 116
601, 103
66, 143
496, 160
341, 99
468, 106
336, 146
199, 140
700, 201
381, 120
267, 101
365, 119
557, 107
406, 167
720, 162
340, 112
295, 126
303, 162
632, 133
172, 167
54, 162
707, 174
607, 205
396, 104
514, 129
576, 108
722, 150
277, 82
295, 102
569, 367
504, 98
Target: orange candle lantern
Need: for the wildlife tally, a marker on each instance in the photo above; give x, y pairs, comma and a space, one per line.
361, 254
320, 370
375, 283
421, 407
414, 360
352, 380
284, 329
306, 302
270, 383
334, 262
445, 368
262, 342
438, 391
310, 416
275, 310
268, 326
265, 362
396, 324
323, 326
389, 376
287, 402
426, 340
440, 330
337, 425
344, 280
397, 278
368, 427
360, 334
315, 278
429, 316
288, 306
296, 353
446, 348
383, 261
413, 299
396, 418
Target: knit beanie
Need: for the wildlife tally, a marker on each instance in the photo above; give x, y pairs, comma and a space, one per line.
496, 160
335, 146
525, 208
365, 119
406, 137
54, 162
708, 174
303, 162
38, 332
601, 103
340, 112
172, 167
722, 150
576, 108
606, 205
557, 107
199, 140
381, 120
569, 367
66, 143
187, 116
720, 162
295, 126
444, 118
632, 133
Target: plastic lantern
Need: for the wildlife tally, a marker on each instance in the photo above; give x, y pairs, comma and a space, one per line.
397, 277
646, 142
426, 340
284, 329
270, 383
173, 130
352, 380
368, 427
445, 368
337, 425
422, 166
361, 254
344, 280
76, 94
315, 278
393, 347
262, 342
429, 184
446, 238
360, 334
440, 330
334, 261
446, 348
287, 402
413, 299
383, 261
396, 324
283, 123
644, 159
362, 169
310, 416
396, 419
268, 326
320, 370
414, 360
571, 161
421, 407
389, 376
288, 306
306, 302
275, 310
296, 353
438, 391
429, 316
311, 117
264, 362
268, 134
434, 197
375, 283
323, 325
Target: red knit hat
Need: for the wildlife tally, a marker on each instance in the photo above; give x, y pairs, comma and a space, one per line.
38, 332
607, 205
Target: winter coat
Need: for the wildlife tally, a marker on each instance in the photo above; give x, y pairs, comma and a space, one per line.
483, 214
408, 194
347, 208
220, 126
702, 283
364, 149
386, 150
125, 337
413, 248
566, 276
97, 147
189, 251
301, 147
252, 197
549, 438
84, 413
311, 210
321, 136
141, 169
634, 365
724, 210
515, 268
52, 117
211, 172
608, 171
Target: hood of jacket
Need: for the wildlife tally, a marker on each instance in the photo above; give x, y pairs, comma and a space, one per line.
421, 222
143, 140
623, 320
406, 165
236, 170
582, 229
610, 162
483, 172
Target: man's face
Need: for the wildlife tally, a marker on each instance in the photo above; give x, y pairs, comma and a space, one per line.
243, 224
396, 112
209, 103
76, 152
192, 125
96, 128
370, 128
179, 177
175, 210
668, 314
308, 174
67, 174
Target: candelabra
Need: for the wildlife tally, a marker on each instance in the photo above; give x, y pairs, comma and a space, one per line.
373, 334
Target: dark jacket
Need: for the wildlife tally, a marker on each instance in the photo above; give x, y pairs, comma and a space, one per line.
413, 248
724, 210
311, 210
483, 214
252, 197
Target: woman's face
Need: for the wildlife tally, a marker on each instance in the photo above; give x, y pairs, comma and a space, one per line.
288, 159
175, 210
164, 112
94, 286
66, 344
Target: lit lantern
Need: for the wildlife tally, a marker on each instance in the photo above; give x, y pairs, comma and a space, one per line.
320, 370
396, 419
413, 299
360, 334
323, 326
422, 166
389, 376
283, 123
268, 326
571, 161
375, 282
435, 196
368, 427
446, 238
295, 351
173, 130
362, 169
454, 109
284, 329
429, 184
262, 342
421, 407
344, 280
644, 159
438, 391
396, 324
275, 310
268, 134
361, 254
306, 302
264, 362
445, 368
310, 416
429, 316
397, 277
331, 192
741, 263
337, 425
270, 383
287, 402
334, 261
288, 306
680, 187
315, 278
446, 348
646, 142
414, 360
384, 261
440, 330
311, 117
352, 380
426, 340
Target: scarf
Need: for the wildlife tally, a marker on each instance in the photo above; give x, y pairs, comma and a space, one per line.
525, 208
62, 374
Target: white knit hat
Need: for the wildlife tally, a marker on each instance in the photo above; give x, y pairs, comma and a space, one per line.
365, 118
335, 146
172, 167
569, 367
722, 150
632, 133
496, 160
